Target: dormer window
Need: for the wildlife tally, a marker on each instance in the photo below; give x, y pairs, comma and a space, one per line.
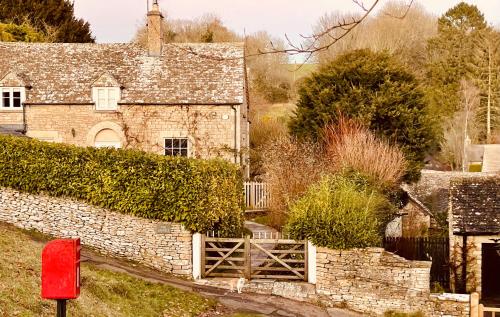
12, 98
106, 92
106, 98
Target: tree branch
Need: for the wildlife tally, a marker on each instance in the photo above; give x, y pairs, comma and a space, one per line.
311, 43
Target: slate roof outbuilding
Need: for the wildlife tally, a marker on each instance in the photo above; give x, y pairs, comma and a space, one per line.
62, 73
475, 205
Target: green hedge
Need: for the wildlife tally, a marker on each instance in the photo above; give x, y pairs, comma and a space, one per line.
201, 194
339, 213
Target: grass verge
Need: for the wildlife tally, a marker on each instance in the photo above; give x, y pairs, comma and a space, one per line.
103, 293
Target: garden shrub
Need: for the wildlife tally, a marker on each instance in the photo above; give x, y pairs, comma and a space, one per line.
339, 213
201, 194
291, 166
351, 146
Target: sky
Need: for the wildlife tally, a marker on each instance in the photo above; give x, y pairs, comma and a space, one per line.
115, 21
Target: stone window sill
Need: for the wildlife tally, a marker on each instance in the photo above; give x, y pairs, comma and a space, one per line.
11, 111
106, 111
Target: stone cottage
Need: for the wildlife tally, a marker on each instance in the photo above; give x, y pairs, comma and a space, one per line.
171, 99
474, 216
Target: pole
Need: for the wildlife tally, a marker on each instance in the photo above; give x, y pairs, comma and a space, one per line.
464, 263
488, 114
61, 308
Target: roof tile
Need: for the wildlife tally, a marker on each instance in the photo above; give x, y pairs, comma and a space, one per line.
184, 73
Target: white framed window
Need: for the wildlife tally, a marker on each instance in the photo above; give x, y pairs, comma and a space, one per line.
177, 147
12, 98
106, 98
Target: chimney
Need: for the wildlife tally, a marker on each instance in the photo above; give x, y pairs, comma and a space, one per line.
155, 31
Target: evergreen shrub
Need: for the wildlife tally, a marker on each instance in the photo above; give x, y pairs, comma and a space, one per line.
201, 194
339, 213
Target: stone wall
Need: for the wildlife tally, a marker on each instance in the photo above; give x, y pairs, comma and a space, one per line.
163, 246
374, 281
11, 117
474, 261
210, 129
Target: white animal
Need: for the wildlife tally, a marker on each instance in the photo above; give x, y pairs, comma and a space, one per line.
239, 283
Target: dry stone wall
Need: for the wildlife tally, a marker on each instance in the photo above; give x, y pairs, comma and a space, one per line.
161, 245
374, 281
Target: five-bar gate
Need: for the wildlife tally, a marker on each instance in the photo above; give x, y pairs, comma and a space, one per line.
254, 258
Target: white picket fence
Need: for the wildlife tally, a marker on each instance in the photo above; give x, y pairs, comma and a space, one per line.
257, 196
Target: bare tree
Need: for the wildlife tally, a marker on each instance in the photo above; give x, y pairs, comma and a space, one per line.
404, 38
323, 39
486, 66
461, 130
208, 28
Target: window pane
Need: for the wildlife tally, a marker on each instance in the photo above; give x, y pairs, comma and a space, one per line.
6, 99
175, 152
17, 102
17, 98
184, 152
176, 143
101, 98
112, 97
184, 143
168, 143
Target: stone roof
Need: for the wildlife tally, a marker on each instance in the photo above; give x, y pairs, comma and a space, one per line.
475, 205
183, 74
413, 197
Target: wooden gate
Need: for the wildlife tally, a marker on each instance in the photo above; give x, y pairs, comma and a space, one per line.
488, 311
266, 258
257, 196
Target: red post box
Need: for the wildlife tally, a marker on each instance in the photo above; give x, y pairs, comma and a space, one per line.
61, 269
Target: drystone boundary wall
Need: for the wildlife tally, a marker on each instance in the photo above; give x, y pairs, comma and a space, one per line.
374, 281
161, 245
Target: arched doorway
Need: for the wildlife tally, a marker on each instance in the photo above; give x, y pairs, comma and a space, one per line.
107, 138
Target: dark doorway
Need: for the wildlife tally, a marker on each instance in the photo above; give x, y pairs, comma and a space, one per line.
490, 272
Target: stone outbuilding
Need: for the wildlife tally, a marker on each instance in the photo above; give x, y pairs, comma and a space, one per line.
413, 220
171, 99
474, 217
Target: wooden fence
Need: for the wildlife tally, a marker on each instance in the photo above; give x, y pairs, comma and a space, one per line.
253, 257
436, 250
257, 196
488, 311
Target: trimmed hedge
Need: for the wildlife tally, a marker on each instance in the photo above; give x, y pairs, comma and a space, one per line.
201, 194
